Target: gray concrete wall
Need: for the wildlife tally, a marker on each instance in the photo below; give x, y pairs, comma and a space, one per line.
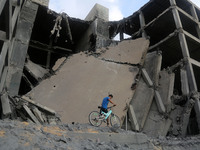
98, 11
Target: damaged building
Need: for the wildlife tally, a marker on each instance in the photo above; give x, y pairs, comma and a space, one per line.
53, 66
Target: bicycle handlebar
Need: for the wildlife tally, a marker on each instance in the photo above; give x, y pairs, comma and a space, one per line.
108, 107
111, 107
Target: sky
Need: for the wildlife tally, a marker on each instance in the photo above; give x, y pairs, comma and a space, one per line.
118, 9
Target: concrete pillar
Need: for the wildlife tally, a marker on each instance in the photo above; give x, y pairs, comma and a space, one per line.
184, 83
166, 88
142, 24
20, 47
186, 55
194, 14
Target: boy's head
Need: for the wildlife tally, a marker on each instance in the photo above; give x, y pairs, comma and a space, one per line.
110, 95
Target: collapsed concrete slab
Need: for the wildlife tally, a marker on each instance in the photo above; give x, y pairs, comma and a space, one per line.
156, 124
166, 88
35, 70
144, 94
6, 109
128, 51
83, 81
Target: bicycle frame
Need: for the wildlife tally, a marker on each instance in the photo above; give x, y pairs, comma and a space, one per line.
107, 114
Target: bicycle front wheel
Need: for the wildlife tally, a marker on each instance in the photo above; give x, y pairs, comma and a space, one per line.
115, 121
94, 118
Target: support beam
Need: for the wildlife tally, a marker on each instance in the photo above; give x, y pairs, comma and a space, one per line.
15, 16
3, 35
142, 24
159, 102
31, 115
23, 35
3, 78
2, 4
187, 15
132, 116
146, 77
185, 52
194, 14
26, 99
3, 54
166, 88
6, 109
186, 116
121, 36
194, 62
184, 83
191, 36
8, 19
163, 40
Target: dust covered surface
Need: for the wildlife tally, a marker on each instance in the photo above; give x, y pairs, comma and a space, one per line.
25, 136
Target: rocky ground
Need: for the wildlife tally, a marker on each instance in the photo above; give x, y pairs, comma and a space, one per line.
16, 135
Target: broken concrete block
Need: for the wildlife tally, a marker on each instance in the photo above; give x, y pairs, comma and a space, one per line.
186, 116
38, 114
156, 125
166, 88
184, 83
38, 105
6, 109
141, 102
176, 117
131, 51
132, 117
146, 77
159, 102
35, 70
82, 83
31, 114
58, 63
152, 65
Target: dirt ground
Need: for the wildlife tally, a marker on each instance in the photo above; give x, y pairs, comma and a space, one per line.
16, 135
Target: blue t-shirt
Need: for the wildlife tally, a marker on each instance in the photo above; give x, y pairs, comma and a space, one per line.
105, 102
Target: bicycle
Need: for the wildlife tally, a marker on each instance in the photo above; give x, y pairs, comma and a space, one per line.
96, 118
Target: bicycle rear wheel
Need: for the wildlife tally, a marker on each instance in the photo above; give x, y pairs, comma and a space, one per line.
115, 121
94, 118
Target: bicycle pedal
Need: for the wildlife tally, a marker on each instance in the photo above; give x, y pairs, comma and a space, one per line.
104, 121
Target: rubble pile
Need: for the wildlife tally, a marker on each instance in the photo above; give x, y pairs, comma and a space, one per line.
52, 64
24, 109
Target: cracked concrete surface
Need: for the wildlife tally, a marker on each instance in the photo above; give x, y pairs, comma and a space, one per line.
83, 81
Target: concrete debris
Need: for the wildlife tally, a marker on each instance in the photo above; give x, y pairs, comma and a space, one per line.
59, 63
50, 60
35, 70
126, 50
6, 108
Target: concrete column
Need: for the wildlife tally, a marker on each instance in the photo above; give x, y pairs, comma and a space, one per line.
142, 24
20, 46
194, 14
121, 36
184, 83
185, 52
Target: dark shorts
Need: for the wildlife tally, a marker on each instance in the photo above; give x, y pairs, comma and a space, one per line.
104, 110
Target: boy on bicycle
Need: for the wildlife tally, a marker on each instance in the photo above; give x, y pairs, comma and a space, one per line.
104, 105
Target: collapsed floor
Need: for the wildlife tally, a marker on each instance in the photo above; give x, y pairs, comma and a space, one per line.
66, 67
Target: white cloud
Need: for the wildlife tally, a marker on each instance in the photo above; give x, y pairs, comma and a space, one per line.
197, 2
80, 9
115, 13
